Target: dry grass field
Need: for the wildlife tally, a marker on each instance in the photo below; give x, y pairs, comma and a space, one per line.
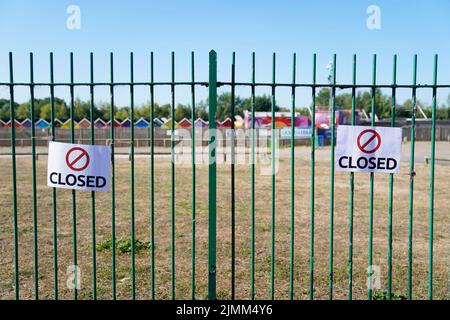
262, 230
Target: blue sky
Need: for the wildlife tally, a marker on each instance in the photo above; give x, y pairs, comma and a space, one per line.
284, 26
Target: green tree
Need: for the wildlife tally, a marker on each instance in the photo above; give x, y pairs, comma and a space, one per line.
344, 101
224, 106
23, 111
162, 111
143, 111
83, 110
443, 112
382, 103
61, 111
303, 112
4, 109
122, 113
405, 109
105, 111
182, 111
201, 111
323, 97
262, 103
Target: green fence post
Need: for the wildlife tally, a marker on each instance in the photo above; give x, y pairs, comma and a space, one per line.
54, 216
432, 155
33, 181
391, 182
411, 179
113, 184
91, 118
252, 186
292, 195
272, 227
352, 192
312, 184
372, 179
212, 176
333, 118
74, 201
14, 178
132, 225
172, 175
233, 160
193, 173
152, 178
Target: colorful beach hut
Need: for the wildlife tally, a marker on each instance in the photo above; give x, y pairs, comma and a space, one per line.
141, 123
42, 124
26, 123
58, 123
99, 123
157, 123
225, 123
116, 124
168, 124
125, 123
84, 124
17, 124
68, 124
185, 123
200, 123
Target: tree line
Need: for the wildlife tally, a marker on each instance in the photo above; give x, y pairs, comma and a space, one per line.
383, 104
363, 99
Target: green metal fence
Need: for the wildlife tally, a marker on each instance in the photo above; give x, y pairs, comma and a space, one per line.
213, 83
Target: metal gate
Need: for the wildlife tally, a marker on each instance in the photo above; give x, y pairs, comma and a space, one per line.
212, 269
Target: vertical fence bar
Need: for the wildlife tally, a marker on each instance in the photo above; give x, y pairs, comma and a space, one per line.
14, 177
352, 191
33, 178
113, 184
372, 178
333, 119
172, 174
74, 203
193, 173
252, 186
133, 257
212, 182
273, 142
312, 184
152, 179
91, 118
54, 216
291, 249
233, 199
391, 182
433, 149
411, 180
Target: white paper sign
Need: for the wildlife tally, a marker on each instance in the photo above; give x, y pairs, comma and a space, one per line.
368, 149
78, 166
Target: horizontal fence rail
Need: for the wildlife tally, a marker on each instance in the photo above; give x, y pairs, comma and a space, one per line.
257, 260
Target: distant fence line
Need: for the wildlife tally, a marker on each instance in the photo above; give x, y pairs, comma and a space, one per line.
122, 137
162, 136
423, 133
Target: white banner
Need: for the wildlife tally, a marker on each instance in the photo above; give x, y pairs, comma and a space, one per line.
368, 149
78, 166
299, 133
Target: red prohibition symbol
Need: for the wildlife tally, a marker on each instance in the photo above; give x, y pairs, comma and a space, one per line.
369, 135
79, 153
